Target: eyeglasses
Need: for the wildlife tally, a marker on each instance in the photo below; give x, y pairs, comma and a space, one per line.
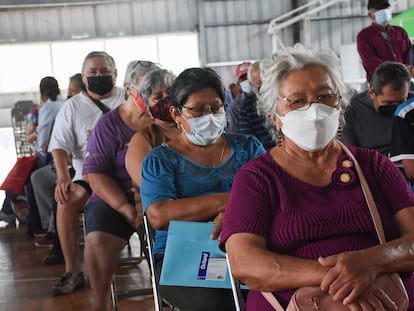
303, 103
200, 111
143, 63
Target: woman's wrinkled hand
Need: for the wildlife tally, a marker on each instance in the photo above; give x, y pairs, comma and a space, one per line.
373, 299
218, 221
350, 275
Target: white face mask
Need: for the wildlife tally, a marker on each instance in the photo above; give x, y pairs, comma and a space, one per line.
311, 129
383, 17
207, 129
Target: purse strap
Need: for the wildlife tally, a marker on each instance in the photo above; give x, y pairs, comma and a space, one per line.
376, 218
273, 301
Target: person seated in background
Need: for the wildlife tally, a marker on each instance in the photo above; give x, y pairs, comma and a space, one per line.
161, 131
110, 214
33, 121
74, 123
16, 203
297, 216
369, 116
233, 110
251, 121
190, 176
44, 182
402, 141
231, 93
52, 103
75, 85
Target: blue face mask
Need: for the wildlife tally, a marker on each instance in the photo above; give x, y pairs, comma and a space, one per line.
207, 129
246, 87
383, 17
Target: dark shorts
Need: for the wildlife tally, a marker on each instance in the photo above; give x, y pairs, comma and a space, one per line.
99, 216
84, 185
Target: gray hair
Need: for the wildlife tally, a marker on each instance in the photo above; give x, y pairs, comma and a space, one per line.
262, 65
255, 65
137, 69
154, 78
296, 58
103, 54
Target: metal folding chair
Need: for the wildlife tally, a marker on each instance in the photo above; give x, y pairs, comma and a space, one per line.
19, 118
150, 239
131, 261
239, 302
158, 300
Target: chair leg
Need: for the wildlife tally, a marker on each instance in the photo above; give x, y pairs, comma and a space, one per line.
113, 295
143, 240
116, 295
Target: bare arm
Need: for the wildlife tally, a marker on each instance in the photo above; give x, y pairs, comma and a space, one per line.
263, 270
31, 134
109, 191
191, 209
408, 168
138, 148
64, 182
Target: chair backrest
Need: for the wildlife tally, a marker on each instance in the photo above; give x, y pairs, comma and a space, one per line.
239, 302
149, 231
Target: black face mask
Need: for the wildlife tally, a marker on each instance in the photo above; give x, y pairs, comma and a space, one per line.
387, 110
161, 110
100, 85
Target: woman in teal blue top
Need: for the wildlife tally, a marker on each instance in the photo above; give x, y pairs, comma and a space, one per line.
190, 177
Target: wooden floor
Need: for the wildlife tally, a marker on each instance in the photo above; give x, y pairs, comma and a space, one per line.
25, 283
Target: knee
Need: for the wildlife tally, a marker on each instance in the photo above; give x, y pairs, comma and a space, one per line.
75, 204
34, 177
94, 240
104, 241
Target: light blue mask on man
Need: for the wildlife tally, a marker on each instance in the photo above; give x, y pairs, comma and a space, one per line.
246, 87
383, 17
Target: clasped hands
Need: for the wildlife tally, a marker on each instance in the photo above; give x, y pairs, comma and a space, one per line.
350, 279
131, 215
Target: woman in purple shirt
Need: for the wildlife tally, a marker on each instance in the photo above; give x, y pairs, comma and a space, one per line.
297, 215
110, 214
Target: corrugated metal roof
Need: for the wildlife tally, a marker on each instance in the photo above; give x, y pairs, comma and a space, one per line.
229, 31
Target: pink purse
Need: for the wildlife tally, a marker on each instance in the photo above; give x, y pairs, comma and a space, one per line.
313, 298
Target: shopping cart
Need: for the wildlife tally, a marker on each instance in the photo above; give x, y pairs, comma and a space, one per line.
20, 120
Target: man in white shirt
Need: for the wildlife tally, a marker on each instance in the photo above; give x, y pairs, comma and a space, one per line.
73, 125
